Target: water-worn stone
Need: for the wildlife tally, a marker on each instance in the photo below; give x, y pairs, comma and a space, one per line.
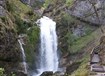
47, 73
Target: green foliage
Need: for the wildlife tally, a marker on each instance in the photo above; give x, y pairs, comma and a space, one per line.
83, 67
24, 18
66, 20
69, 2
30, 13
47, 2
10, 7
37, 4
77, 43
23, 15
3, 19
32, 16
2, 72
17, 7
21, 25
80, 43
20, 7
13, 74
69, 18
33, 34
33, 37
70, 38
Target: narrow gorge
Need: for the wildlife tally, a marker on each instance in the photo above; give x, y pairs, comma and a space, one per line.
52, 38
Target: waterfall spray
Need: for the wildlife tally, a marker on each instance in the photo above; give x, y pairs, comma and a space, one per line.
48, 56
20, 40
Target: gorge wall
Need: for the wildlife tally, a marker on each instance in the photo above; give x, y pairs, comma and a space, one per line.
75, 30
10, 54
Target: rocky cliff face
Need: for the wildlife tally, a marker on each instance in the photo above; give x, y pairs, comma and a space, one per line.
73, 28
10, 54
33, 3
75, 31
89, 11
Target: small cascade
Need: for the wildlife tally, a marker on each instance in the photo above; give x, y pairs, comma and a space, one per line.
48, 57
20, 40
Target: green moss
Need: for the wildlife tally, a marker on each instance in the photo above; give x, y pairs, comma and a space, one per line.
37, 4
33, 34
24, 18
80, 43
22, 26
47, 2
18, 6
2, 72
3, 19
67, 19
77, 43
33, 37
54, 3
69, 3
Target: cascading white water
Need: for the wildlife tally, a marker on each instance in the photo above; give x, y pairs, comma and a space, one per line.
48, 50
23, 54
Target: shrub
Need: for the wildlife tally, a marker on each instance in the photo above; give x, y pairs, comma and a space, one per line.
2, 72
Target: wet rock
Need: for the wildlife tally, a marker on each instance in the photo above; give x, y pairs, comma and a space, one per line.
2, 12
20, 73
60, 73
25, 1
47, 73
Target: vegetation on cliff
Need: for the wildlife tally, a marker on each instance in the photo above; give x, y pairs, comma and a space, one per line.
17, 20
76, 36
25, 19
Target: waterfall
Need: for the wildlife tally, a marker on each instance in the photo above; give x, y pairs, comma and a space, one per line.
48, 57
20, 40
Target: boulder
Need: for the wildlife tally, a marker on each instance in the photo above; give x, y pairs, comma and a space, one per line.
47, 73
20, 74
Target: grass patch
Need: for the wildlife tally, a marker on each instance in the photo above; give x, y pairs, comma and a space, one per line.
80, 43
69, 2
83, 68
18, 6
76, 44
